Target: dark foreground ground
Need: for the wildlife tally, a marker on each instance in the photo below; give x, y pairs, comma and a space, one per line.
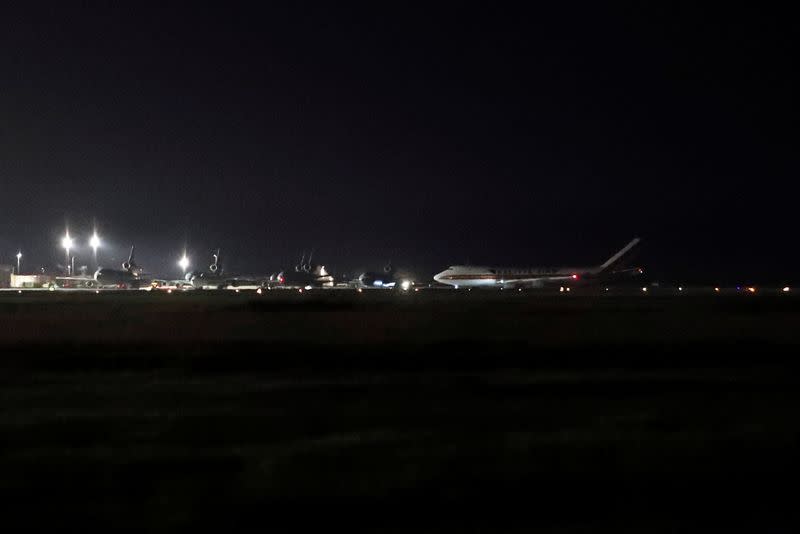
464, 412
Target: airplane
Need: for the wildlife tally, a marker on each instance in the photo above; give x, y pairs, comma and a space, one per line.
511, 278
129, 277
214, 279
390, 278
305, 275
211, 278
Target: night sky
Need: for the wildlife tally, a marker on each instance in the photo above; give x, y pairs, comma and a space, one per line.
429, 137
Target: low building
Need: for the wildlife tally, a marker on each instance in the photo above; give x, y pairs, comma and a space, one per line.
30, 280
5, 275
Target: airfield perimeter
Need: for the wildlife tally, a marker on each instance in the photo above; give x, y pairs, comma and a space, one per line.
485, 410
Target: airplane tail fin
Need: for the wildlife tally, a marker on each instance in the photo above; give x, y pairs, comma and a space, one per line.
130, 265
215, 266
615, 259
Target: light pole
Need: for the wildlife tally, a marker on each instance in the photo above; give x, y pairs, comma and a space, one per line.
184, 263
67, 244
94, 242
19, 257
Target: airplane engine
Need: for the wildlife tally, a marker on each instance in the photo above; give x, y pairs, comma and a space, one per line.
126, 265
213, 267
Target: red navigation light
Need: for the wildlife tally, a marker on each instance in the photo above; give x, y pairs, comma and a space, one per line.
574, 276
281, 279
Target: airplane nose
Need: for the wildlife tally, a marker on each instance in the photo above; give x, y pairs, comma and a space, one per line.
438, 276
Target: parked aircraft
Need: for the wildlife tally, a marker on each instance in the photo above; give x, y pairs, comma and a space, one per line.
389, 278
130, 277
305, 274
509, 277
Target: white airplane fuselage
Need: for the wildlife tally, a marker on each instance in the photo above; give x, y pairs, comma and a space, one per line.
480, 276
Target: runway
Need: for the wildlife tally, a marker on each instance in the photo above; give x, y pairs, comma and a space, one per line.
488, 411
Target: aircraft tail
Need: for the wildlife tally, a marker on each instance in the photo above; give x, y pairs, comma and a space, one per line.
130, 265
216, 265
615, 259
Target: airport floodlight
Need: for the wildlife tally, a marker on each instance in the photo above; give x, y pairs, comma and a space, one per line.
94, 242
19, 257
405, 285
184, 262
66, 242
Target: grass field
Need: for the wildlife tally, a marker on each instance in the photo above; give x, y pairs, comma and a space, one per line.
423, 411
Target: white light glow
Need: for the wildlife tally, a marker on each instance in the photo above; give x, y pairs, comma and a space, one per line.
94, 242
785, 289
19, 256
405, 285
183, 263
66, 242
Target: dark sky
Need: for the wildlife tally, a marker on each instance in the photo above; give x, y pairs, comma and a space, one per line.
484, 134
